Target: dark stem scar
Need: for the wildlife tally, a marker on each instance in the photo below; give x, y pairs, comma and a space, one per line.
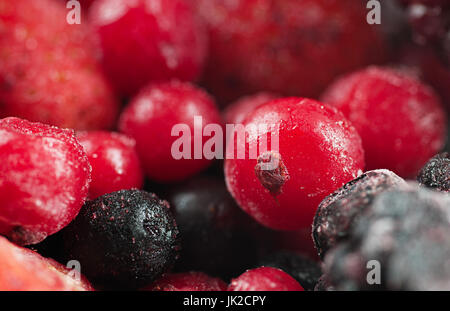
271, 171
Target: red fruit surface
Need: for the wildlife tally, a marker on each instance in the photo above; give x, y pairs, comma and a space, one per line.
44, 179
319, 151
265, 279
291, 47
189, 281
150, 118
48, 68
237, 111
114, 160
146, 41
401, 120
25, 270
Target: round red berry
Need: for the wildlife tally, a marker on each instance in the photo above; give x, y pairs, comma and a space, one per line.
48, 69
151, 118
44, 179
237, 111
114, 160
401, 120
291, 47
319, 151
146, 41
265, 279
188, 282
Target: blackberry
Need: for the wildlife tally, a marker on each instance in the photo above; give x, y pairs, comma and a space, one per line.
436, 173
324, 284
125, 239
338, 211
302, 269
407, 231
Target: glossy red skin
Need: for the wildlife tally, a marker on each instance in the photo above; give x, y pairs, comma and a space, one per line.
187, 282
265, 279
321, 151
48, 68
26, 270
149, 119
237, 111
401, 120
114, 160
291, 47
44, 179
146, 41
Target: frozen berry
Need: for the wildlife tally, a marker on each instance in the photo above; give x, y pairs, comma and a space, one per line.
338, 211
25, 270
216, 233
436, 173
237, 111
403, 239
304, 270
124, 239
146, 41
115, 163
400, 119
292, 47
264, 279
48, 68
44, 179
318, 151
162, 115
188, 282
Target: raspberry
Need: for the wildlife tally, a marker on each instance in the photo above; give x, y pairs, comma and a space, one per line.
291, 47
48, 69
302, 269
318, 152
124, 239
187, 282
237, 111
146, 41
115, 163
407, 232
338, 211
436, 173
400, 119
150, 119
44, 179
213, 227
264, 279
25, 270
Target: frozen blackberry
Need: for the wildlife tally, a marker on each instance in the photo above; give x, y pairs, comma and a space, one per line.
125, 239
436, 173
304, 270
217, 235
407, 232
338, 211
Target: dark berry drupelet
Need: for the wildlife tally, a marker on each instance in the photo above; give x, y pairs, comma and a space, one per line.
125, 239
407, 231
436, 173
217, 236
304, 270
338, 211
324, 284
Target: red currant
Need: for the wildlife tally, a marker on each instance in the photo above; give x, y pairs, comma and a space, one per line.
265, 279
114, 160
319, 151
44, 179
401, 120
